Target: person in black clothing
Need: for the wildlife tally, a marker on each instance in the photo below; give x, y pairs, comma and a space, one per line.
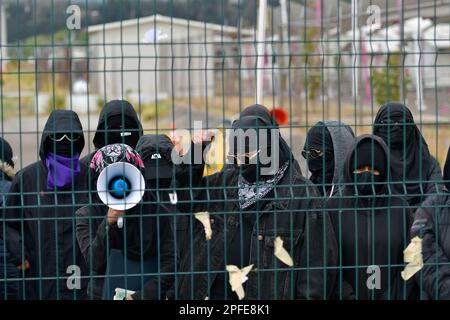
155, 151
447, 171
133, 250
325, 149
371, 225
41, 209
8, 289
117, 123
415, 172
250, 205
431, 224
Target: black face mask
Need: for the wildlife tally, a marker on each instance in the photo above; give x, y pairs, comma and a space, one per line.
394, 136
249, 172
131, 140
319, 176
367, 183
62, 148
117, 126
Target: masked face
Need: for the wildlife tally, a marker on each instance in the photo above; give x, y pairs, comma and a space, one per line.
249, 172
319, 153
368, 183
65, 145
322, 169
248, 165
122, 131
395, 130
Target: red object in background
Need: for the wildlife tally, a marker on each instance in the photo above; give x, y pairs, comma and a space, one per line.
280, 115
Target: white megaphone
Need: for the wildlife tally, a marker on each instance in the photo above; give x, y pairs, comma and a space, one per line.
120, 186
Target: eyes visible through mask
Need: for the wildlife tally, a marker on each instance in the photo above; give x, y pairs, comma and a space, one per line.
70, 137
312, 154
367, 180
245, 158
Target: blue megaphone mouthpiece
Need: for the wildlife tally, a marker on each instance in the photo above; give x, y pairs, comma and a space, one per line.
119, 188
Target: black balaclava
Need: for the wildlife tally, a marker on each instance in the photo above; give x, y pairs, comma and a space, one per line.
65, 147
118, 123
410, 158
321, 168
122, 130
253, 171
370, 153
394, 124
6, 153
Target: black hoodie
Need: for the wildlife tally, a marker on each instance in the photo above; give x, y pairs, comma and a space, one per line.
414, 170
115, 111
41, 221
120, 110
370, 230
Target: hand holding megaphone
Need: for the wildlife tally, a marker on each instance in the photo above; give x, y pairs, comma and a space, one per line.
114, 216
120, 186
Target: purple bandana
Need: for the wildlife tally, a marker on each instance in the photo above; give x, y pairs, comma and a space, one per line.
61, 170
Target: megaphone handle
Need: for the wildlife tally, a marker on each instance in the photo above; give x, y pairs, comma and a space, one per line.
120, 222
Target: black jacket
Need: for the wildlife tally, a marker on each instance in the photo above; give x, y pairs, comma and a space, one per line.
295, 216
40, 224
370, 230
432, 221
147, 232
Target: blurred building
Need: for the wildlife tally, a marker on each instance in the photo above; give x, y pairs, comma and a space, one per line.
157, 57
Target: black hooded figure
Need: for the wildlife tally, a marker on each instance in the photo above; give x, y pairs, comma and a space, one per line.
325, 149
124, 257
156, 151
372, 227
44, 196
252, 207
432, 225
7, 269
447, 170
415, 172
117, 123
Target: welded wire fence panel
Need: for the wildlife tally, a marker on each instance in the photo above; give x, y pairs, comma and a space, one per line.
226, 149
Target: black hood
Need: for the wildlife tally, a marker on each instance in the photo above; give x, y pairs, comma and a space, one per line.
259, 114
335, 139
62, 121
348, 168
410, 157
156, 153
112, 109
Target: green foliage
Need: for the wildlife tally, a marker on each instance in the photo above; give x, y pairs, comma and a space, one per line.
57, 100
310, 60
154, 110
100, 103
387, 81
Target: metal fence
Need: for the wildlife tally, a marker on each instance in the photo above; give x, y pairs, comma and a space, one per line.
356, 115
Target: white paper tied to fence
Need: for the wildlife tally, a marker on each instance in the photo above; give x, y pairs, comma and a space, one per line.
281, 253
238, 278
203, 217
413, 256
122, 294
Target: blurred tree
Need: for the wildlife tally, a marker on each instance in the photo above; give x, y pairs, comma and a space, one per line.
387, 81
